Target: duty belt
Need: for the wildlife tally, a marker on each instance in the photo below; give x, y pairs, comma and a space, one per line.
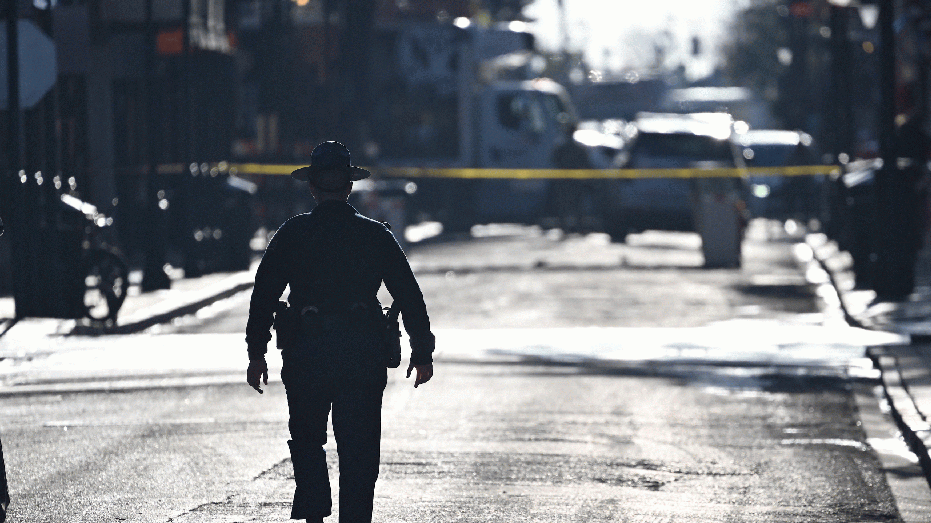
357, 316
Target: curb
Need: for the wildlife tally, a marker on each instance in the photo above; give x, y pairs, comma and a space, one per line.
911, 422
171, 309
915, 429
821, 251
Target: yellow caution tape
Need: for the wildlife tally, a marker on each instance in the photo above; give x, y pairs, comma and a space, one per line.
263, 168
795, 170
532, 174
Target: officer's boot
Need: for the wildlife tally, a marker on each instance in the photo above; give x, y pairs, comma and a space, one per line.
312, 482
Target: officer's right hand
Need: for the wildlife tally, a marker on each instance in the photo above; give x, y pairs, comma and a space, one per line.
257, 370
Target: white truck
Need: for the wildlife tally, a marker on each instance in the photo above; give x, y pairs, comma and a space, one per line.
455, 102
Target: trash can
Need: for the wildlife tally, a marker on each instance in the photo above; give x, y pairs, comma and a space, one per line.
719, 222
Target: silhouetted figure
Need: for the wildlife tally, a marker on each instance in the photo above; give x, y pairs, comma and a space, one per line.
4, 489
332, 334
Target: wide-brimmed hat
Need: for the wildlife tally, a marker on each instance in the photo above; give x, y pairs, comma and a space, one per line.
330, 156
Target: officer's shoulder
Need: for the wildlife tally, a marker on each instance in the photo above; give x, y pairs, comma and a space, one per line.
373, 225
293, 224
295, 221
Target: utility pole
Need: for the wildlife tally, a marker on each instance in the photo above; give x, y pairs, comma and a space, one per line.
887, 111
15, 138
842, 103
564, 44
563, 27
17, 211
358, 26
894, 268
153, 272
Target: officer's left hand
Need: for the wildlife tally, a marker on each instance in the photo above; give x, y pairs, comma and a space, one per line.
424, 373
257, 370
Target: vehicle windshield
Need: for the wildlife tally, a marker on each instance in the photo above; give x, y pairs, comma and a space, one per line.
778, 154
681, 147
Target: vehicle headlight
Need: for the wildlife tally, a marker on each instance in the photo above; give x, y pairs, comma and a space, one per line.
761, 190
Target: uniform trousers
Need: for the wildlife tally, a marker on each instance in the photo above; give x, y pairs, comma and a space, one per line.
339, 371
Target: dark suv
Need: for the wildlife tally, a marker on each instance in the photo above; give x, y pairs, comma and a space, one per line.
777, 196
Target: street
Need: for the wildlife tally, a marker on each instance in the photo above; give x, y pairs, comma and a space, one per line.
576, 380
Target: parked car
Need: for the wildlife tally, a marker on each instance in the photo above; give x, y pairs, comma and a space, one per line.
673, 141
213, 223
386, 200
604, 141
776, 195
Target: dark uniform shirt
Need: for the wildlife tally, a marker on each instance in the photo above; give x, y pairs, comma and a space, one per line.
334, 258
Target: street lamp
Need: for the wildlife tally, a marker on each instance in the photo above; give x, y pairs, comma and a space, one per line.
871, 12
841, 100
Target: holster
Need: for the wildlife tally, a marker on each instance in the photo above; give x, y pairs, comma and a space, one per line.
287, 325
392, 334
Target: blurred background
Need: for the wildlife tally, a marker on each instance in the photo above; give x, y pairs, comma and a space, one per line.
143, 138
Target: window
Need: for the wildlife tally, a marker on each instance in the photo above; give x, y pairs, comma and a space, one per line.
510, 110
521, 112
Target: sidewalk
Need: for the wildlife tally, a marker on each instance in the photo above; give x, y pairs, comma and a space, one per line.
905, 368
141, 310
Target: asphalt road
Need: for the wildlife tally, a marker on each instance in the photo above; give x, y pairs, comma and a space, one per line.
522, 277
578, 380
481, 443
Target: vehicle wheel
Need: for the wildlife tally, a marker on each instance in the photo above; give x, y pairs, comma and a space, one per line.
455, 224
241, 258
106, 279
590, 214
576, 210
194, 266
238, 254
617, 231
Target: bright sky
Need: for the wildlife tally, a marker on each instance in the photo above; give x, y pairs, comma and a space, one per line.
628, 28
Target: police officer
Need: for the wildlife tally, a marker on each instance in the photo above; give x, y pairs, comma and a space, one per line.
334, 261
